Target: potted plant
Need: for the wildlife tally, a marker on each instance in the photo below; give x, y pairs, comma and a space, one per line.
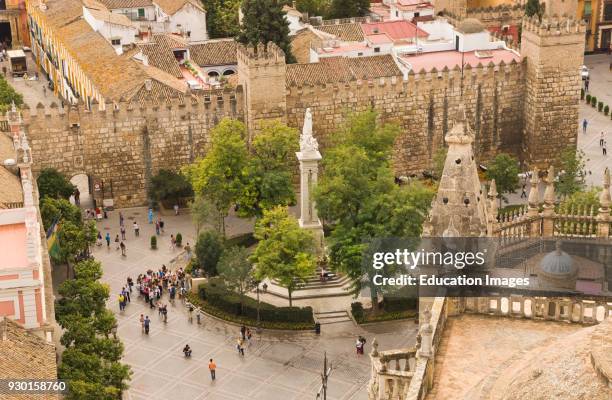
153, 243
588, 99
179, 240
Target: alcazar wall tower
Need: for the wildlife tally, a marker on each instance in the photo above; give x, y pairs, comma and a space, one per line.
554, 52
527, 108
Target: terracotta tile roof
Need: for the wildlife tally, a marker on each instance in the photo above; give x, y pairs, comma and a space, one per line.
214, 52
172, 6
347, 32
396, 30
342, 69
160, 53
113, 4
163, 87
26, 356
110, 74
102, 14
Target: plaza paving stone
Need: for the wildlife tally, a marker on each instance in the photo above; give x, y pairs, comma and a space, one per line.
276, 366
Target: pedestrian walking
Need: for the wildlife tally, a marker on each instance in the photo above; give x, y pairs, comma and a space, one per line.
524, 191
99, 239
157, 227
117, 241
136, 229
122, 245
126, 294
586, 84
108, 238
249, 335
602, 138
120, 218
122, 230
187, 252
121, 300
172, 242
212, 367
190, 310
240, 346
150, 214
584, 125
147, 325
243, 332
130, 283
77, 197
604, 149
176, 209
161, 225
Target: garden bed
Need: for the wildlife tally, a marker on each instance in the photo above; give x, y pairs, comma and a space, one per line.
367, 315
242, 320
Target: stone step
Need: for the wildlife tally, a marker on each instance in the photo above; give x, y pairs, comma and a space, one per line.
332, 317
309, 293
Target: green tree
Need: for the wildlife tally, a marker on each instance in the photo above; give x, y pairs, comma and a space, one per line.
504, 169
53, 184
357, 196
52, 209
349, 8
533, 7
571, 177
582, 201
235, 269
168, 185
8, 95
203, 212
91, 359
74, 240
264, 21
218, 176
285, 252
313, 7
268, 176
209, 248
222, 17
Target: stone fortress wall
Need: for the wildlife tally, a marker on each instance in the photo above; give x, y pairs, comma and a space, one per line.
127, 143
424, 106
514, 108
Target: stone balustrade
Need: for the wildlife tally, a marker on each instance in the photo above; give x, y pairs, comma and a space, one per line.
392, 371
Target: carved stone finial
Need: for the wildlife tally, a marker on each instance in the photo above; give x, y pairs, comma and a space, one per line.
534, 193
374, 352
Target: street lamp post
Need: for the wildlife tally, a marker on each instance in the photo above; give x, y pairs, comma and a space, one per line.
324, 378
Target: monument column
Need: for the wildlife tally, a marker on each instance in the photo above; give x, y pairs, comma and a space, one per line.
309, 157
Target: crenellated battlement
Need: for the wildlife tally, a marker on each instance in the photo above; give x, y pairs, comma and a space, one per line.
553, 26
268, 54
201, 101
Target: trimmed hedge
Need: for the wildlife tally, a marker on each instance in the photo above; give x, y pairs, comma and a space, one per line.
593, 101
364, 316
606, 109
588, 99
217, 295
392, 304
211, 310
600, 106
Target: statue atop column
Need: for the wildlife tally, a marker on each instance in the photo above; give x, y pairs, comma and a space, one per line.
309, 157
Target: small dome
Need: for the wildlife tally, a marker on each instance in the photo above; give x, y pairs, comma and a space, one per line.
470, 25
557, 262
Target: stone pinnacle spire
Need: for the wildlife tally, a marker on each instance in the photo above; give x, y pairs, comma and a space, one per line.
459, 203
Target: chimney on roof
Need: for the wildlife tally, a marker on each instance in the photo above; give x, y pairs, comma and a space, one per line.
148, 84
